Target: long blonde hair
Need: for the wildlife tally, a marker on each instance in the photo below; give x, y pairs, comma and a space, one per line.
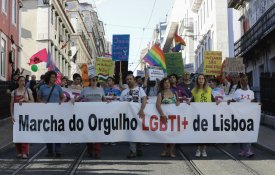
197, 86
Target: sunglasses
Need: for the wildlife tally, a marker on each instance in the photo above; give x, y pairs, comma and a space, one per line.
95, 79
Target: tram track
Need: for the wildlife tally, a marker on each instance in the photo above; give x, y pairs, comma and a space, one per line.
245, 166
190, 163
195, 164
71, 169
28, 162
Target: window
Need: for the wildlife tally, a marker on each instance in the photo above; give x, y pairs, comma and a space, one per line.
5, 6
204, 12
14, 14
3, 56
211, 4
56, 21
209, 43
201, 18
52, 15
198, 24
207, 7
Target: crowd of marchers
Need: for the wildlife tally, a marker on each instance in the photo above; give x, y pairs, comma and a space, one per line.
174, 89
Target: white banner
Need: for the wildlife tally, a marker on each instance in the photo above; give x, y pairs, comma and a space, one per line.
91, 122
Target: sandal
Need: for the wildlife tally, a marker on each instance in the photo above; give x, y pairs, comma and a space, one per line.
24, 156
163, 154
172, 155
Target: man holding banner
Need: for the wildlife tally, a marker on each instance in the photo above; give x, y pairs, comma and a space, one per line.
51, 93
134, 94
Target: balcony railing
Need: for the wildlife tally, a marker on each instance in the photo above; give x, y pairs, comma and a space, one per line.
196, 5
87, 44
186, 24
258, 31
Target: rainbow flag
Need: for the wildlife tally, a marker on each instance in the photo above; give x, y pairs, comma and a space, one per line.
179, 42
155, 57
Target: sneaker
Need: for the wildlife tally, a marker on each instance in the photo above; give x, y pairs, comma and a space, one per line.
242, 153
139, 153
198, 153
19, 156
24, 156
203, 153
131, 155
249, 154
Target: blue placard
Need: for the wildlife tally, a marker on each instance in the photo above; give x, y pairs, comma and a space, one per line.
120, 49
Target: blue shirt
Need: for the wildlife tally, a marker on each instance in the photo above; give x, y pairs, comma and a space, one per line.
112, 92
44, 92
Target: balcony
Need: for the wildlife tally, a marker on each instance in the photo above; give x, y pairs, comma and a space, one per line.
196, 5
186, 24
264, 26
87, 44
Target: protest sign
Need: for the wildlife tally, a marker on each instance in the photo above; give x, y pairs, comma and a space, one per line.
212, 62
141, 73
120, 49
91, 70
104, 68
234, 65
155, 73
174, 63
91, 122
85, 76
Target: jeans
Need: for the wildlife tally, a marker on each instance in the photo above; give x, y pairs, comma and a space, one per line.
55, 146
135, 146
245, 147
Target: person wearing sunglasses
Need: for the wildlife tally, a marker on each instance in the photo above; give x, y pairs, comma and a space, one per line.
92, 94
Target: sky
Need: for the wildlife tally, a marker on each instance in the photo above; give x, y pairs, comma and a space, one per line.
131, 17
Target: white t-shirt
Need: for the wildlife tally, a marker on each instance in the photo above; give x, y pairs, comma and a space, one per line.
243, 95
132, 95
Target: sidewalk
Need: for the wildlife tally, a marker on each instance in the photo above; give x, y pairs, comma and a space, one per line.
6, 132
266, 138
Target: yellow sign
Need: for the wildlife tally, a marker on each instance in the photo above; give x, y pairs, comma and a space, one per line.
212, 63
104, 68
85, 78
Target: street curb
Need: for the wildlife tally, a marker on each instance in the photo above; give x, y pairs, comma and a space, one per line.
5, 119
264, 147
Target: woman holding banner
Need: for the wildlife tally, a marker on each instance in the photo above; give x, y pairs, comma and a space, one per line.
166, 96
244, 95
201, 93
92, 94
21, 95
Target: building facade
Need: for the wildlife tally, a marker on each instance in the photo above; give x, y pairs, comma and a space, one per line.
213, 29
186, 31
9, 37
257, 46
46, 25
81, 43
95, 29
